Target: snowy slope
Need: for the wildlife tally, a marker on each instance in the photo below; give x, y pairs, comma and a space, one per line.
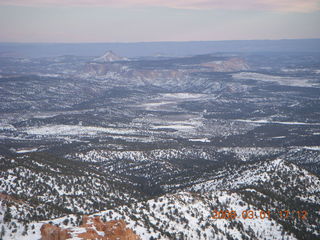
188, 214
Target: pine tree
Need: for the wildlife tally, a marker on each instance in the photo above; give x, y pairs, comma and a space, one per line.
3, 232
7, 215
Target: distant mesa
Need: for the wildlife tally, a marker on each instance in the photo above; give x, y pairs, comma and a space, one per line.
110, 56
230, 65
10, 54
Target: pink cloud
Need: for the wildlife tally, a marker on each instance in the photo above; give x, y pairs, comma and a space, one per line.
264, 5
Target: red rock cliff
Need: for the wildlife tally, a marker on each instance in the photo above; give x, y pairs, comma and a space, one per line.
92, 228
51, 232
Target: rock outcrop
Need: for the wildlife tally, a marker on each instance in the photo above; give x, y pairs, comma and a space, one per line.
91, 228
52, 232
111, 230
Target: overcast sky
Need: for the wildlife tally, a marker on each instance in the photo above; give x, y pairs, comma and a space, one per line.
156, 20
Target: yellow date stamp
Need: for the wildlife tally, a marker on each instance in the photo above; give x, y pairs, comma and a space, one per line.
259, 214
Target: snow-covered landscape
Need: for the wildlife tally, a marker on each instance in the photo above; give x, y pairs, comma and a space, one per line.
160, 143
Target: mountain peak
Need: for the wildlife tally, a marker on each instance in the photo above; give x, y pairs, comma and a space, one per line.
110, 56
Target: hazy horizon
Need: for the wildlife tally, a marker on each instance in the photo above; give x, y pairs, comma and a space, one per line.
140, 49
